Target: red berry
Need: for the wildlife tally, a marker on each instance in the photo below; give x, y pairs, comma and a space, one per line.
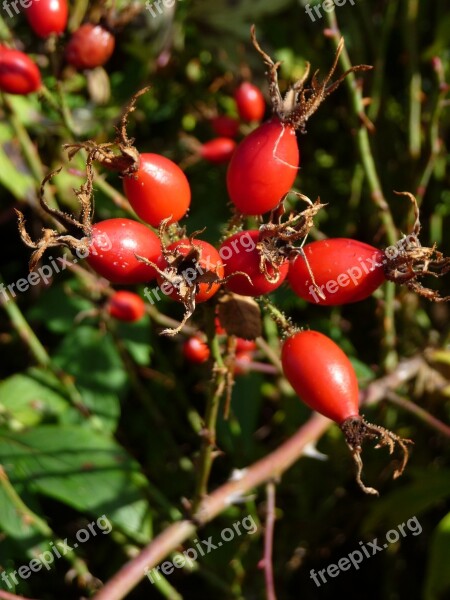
219, 329
239, 253
225, 126
321, 375
209, 260
126, 306
244, 345
218, 151
158, 190
263, 168
47, 16
195, 350
345, 270
18, 73
250, 102
90, 46
114, 245
242, 361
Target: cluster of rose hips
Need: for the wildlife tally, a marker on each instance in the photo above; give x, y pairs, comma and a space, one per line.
250, 106
260, 175
90, 46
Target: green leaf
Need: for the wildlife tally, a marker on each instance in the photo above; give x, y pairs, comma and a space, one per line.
27, 401
437, 579
82, 468
57, 309
91, 357
136, 339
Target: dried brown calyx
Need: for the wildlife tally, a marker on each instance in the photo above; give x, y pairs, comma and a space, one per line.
357, 430
187, 273
278, 238
300, 102
77, 233
408, 261
120, 155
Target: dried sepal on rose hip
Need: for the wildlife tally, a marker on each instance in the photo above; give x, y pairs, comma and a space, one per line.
255, 190
77, 232
415, 261
344, 270
155, 186
189, 270
266, 263
324, 378
120, 155
109, 247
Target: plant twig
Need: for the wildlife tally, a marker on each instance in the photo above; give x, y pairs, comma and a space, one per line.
362, 136
208, 449
268, 542
419, 412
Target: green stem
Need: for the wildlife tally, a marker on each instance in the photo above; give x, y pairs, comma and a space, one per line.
362, 136
39, 353
380, 61
29, 150
25, 332
22, 509
415, 83
390, 357
210, 421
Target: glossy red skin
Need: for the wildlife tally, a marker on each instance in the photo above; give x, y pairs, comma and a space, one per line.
244, 345
114, 245
126, 306
335, 258
195, 351
225, 126
89, 47
209, 260
263, 168
237, 257
250, 102
218, 151
321, 375
18, 73
158, 190
47, 16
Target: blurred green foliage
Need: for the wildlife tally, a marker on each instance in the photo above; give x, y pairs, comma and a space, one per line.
112, 425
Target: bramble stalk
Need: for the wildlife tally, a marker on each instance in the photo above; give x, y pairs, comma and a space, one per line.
212, 410
380, 61
268, 541
39, 353
436, 145
29, 150
419, 412
415, 79
25, 332
271, 466
362, 136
